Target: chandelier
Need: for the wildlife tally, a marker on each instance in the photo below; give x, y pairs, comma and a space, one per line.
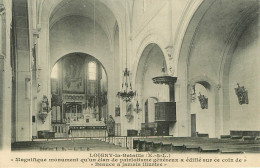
126, 93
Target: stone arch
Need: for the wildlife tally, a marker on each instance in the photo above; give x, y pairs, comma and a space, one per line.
142, 64
185, 33
83, 54
183, 25
149, 38
191, 54
151, 54
45, 9
78, 51
206, 81
213, 102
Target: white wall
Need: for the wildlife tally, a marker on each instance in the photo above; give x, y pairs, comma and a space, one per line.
244, 69
205, 118
76, 34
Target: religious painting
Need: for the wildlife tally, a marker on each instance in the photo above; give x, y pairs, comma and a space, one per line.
203, 101
117, 111
73, 77
242, 94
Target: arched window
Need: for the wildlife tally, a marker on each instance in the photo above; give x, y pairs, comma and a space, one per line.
92, 70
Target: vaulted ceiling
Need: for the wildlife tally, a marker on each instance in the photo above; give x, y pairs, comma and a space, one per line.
92, 9
221, 23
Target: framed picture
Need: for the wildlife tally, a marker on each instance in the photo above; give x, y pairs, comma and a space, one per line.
117, 111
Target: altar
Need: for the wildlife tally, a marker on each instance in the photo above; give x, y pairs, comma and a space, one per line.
78, 119
88, 130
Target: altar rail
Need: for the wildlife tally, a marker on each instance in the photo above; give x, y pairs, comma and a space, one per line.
126, 142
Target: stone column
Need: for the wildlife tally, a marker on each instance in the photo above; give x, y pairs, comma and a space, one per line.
23, 71
218, 114
2, 60
5, 78
34, 87
2, 74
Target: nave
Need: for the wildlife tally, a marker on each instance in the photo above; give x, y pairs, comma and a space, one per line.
167, 73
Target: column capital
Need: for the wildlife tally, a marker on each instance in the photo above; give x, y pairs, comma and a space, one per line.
2, 56
170, 49
36, 34
2, 9
170, 65
218, 86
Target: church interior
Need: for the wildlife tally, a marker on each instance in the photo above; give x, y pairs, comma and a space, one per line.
143, 75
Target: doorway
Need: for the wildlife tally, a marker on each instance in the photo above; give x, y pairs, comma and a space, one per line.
193, 125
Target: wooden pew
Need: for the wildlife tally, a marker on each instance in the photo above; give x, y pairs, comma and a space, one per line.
202, 135
166, 147
249, 138
178, 148
192, 149
140, 146
239, 137
149, 146
210, 151
157, 147
210, 144
225, 137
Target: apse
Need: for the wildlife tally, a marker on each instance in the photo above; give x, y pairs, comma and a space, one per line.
78, 94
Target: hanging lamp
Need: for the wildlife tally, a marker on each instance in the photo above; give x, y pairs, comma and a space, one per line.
126, 93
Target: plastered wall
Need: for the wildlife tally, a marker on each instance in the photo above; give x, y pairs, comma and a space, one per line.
244, 69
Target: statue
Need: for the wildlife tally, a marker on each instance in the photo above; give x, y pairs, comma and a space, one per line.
45, 109
111, 126
242, 94
203, 101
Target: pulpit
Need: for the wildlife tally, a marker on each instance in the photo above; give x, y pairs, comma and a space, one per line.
165, 111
